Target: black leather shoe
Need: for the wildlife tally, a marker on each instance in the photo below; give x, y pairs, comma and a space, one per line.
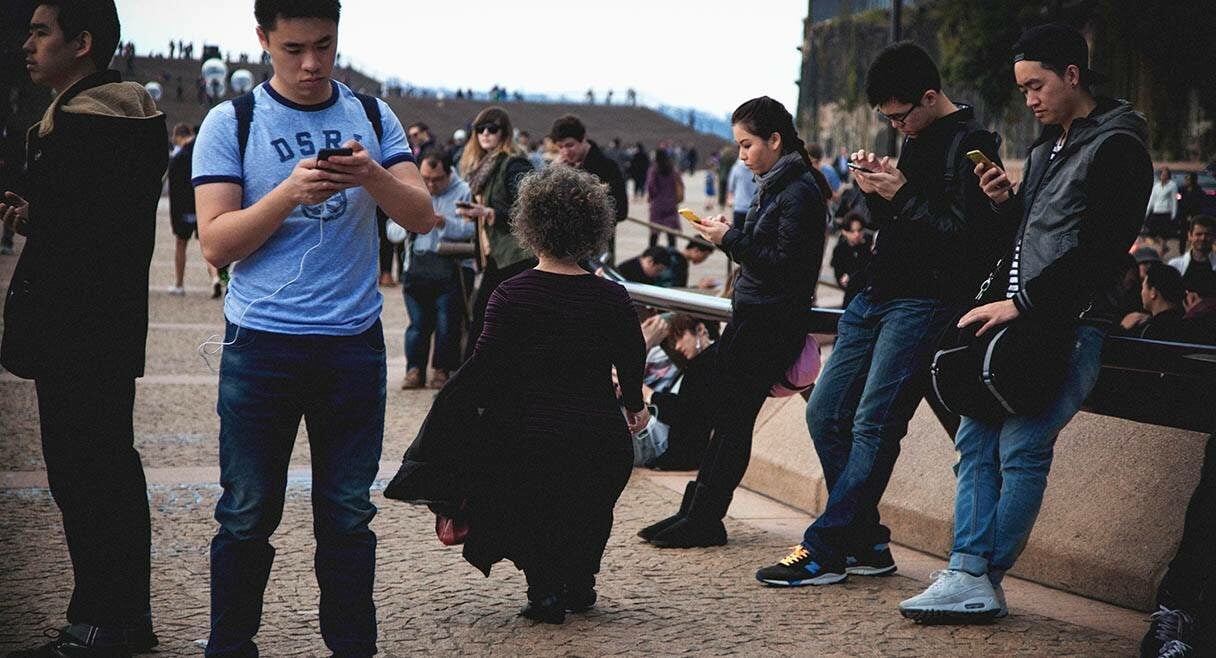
691, 533
650, 531
63, 645
579, 600
549, 610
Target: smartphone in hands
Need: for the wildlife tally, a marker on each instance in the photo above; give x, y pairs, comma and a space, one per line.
325, 154
980, 159
691, 216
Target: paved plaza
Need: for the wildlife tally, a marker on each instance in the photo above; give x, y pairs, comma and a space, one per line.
652, 602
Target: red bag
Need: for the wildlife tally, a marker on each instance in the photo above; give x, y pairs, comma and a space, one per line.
450, 531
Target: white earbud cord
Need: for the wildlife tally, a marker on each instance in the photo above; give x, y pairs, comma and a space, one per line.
213, 345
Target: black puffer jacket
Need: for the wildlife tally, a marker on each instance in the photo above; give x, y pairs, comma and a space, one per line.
780, 241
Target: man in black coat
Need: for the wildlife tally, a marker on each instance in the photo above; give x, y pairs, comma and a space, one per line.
76, 317
570, 135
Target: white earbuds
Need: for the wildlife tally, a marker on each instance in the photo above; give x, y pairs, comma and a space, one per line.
213, 345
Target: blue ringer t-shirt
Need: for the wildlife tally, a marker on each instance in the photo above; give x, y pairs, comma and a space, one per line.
336, 293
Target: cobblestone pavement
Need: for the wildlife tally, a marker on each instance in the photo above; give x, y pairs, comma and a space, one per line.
429, 600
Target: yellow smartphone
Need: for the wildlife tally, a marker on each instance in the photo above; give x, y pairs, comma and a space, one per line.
689, 215
979, 158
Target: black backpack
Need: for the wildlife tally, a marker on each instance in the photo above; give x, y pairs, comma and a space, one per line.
243, 105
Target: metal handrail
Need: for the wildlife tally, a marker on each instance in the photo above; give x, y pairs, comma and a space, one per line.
1149, 381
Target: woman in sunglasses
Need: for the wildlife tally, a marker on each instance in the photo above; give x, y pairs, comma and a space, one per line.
493, 165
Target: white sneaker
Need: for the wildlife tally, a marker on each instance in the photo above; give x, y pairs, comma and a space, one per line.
1000, 599
954, 596
177, 290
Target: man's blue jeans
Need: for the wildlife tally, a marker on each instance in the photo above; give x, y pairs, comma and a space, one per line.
267, 382
859, 411
435, 308
1002, 469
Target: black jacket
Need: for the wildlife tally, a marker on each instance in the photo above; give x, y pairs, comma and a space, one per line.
1079, 213
938, 238
93, 182
609, 173
780, 242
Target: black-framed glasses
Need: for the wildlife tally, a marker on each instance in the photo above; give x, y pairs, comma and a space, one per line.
899, 117
491, 128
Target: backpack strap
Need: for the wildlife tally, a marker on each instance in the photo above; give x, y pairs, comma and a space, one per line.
952, 154
243, 105
372, 109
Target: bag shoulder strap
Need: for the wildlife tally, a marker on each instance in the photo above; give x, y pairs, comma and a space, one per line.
243, 105
372, 109
952, 154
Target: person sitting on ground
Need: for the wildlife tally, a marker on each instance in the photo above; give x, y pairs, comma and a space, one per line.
1203, 228
1161, 296
695, 252
679, 367
647, 268
851, 257
1199, 321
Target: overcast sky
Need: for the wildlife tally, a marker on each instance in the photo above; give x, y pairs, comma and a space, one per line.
708, 54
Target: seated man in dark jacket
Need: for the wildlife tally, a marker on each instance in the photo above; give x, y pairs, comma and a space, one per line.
1161, 296
851, 257
647, 268
88, 206
1199, 321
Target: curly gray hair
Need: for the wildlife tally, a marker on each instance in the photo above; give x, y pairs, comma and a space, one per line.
563, 212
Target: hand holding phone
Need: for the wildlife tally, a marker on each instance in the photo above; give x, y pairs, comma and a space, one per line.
691, 216
325, 154
980, 159
857, 167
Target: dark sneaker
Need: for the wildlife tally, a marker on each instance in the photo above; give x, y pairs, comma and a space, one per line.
877, 561
800, 568
65, 645
1176, 649
1165, 626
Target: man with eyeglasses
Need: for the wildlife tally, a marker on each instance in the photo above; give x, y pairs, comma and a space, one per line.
937, 232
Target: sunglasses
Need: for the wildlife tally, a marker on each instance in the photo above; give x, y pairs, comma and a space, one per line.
491, 128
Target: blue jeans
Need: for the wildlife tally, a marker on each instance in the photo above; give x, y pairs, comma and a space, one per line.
859, 411
1002, 469
267, 382
435, 308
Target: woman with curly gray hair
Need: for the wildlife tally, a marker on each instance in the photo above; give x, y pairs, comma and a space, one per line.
541, 462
